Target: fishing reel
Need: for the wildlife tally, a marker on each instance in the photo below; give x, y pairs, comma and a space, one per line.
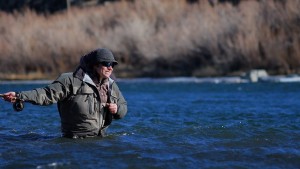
18, 105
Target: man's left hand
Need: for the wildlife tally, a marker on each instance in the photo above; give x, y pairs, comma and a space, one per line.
112, 107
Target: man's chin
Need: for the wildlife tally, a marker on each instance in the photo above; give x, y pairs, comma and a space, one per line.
107, 75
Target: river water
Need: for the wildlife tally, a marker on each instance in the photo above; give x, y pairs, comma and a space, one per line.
169, 125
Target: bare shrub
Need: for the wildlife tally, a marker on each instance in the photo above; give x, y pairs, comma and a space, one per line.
157, 38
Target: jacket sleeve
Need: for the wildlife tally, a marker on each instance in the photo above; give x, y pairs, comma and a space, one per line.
121, 102
50, 94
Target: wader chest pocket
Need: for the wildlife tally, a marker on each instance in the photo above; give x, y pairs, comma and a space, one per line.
88, 96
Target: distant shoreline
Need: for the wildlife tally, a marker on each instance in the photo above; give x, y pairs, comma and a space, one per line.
179, 79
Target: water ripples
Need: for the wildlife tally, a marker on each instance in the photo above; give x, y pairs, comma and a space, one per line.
169, 125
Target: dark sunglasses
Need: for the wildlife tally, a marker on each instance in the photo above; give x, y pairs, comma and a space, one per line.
108, 64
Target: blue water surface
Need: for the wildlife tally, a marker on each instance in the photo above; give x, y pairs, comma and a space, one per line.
169, 125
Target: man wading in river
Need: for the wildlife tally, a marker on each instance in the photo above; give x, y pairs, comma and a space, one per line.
87, 99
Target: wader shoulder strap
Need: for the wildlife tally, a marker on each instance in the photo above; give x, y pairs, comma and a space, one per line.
109, 116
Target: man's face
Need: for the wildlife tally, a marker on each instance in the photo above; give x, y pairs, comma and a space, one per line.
104, 69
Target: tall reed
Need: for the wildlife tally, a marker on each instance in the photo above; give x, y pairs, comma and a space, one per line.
156, 38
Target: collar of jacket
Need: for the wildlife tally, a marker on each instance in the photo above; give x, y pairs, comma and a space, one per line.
80, 74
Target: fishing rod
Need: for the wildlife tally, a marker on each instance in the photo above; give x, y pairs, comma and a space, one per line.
18, 105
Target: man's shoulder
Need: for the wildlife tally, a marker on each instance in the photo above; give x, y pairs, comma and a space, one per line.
67, 78
67, 74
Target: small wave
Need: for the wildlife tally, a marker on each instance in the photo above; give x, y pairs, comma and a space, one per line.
120, 134
186, 80
33, 136
54, 165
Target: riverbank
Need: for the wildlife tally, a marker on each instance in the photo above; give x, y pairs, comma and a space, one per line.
215, 80
156, 38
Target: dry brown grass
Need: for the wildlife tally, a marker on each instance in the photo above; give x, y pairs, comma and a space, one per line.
156, 38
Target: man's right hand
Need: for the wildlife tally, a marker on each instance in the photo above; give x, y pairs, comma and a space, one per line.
10, 97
